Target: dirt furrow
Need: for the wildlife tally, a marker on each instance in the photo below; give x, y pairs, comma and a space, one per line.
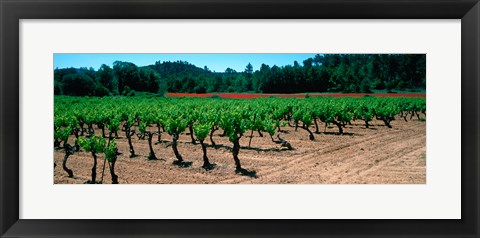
318, 158
374, 155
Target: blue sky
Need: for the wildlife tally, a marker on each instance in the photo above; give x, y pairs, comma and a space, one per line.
215, 62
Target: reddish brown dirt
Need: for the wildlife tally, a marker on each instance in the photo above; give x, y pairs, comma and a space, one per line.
377, 155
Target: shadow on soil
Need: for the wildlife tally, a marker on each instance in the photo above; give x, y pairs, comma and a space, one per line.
227, 147
155, 159
182, 164
209, 166
249, 173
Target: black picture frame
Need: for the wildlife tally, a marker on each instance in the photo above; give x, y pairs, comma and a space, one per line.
12, 11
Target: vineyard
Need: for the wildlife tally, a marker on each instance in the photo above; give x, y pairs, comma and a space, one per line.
215, 140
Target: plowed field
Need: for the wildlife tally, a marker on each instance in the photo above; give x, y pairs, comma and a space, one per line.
375, 155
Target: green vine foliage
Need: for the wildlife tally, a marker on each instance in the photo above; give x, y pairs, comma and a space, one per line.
234, 116
95, 144
111, 151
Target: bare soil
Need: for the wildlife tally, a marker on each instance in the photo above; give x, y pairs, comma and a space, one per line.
375, 155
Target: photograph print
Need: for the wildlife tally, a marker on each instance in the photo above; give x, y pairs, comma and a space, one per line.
239, 118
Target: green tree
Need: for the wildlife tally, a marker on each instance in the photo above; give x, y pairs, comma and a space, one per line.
78, 84
127, 75
105, 77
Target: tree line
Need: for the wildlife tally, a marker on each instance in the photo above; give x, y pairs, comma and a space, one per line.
348, 73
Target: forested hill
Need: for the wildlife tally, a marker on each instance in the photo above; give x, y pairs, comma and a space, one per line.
322, 73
